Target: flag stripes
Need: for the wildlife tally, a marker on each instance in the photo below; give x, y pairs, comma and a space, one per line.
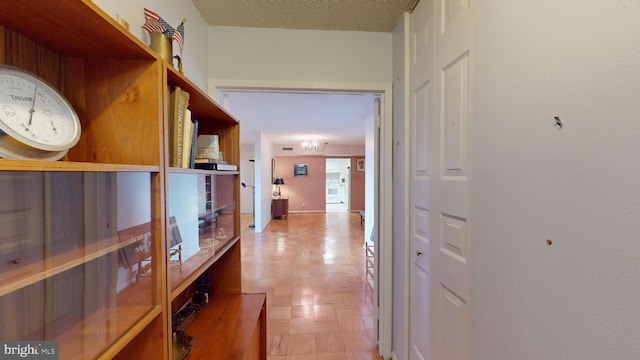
154, 23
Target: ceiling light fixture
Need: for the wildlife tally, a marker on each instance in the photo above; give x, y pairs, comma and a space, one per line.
313, 146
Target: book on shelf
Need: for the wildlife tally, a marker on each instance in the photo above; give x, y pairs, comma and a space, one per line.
178, 102
208, 147
187, 132
194, 135
209, 160
215, 166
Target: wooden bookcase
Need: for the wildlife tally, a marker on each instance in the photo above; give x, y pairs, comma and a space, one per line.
87, 248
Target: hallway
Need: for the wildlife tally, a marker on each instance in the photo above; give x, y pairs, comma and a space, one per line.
319, 300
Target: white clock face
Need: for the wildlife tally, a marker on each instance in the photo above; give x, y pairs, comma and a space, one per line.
33, 113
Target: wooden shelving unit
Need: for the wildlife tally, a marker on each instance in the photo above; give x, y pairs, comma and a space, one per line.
243, 315
72, 250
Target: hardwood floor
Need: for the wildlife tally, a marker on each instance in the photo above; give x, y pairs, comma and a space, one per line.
319, 298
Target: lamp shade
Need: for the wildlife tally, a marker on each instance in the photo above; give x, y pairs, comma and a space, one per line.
279, 181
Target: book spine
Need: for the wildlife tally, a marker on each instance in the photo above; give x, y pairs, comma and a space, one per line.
187, 131
178, 102
194, 135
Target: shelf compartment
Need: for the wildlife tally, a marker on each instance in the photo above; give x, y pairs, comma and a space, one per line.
195, 266
86, 339
241, 317
118, 100
201, 105
12, 280
53, 222
85, 321
74, 29
212, 118
203, 217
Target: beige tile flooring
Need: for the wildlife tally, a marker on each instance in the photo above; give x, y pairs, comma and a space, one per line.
319, 298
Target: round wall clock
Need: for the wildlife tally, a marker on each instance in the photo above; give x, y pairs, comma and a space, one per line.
36, 121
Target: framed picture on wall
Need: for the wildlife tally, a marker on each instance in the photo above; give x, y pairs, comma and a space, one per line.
360, 165
300, 169
273, 170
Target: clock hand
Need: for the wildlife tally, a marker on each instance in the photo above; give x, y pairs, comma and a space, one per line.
26, 128
33, 104
54, 127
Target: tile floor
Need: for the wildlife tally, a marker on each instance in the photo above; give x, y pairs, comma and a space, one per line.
319, 298
340, 207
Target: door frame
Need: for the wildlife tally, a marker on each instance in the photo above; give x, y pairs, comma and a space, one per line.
383, 228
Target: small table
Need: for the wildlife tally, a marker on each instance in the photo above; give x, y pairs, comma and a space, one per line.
280, 207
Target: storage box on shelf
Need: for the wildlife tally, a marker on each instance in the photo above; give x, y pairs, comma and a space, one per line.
92, 232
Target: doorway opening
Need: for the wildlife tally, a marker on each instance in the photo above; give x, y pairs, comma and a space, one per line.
338, 184
377, 169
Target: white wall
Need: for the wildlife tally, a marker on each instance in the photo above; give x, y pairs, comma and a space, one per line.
578, 298
264, 187
195, 53
369, 176
400, 187
299, 55
246, 176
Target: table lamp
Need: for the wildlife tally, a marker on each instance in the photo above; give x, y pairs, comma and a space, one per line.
279, 181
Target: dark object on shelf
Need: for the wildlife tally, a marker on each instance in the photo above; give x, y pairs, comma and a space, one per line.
182, 345
200, 298
216, 166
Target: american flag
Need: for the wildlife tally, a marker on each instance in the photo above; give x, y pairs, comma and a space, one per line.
154, 23
178, 36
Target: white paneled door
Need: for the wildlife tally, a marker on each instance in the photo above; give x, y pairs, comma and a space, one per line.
441, 118
422, 113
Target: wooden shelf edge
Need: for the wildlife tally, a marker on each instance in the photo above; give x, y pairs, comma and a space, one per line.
174, 170
82, 29
199, 101
201, 269
214, 209
68, 166
39, 273
133, 331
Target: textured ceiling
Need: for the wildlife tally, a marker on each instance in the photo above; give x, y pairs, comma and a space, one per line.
349, 15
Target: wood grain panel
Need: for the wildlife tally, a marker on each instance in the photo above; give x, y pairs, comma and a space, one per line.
235, 318
119, 104
76, 28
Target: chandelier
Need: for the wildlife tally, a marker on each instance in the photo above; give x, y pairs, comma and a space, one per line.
313, 146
